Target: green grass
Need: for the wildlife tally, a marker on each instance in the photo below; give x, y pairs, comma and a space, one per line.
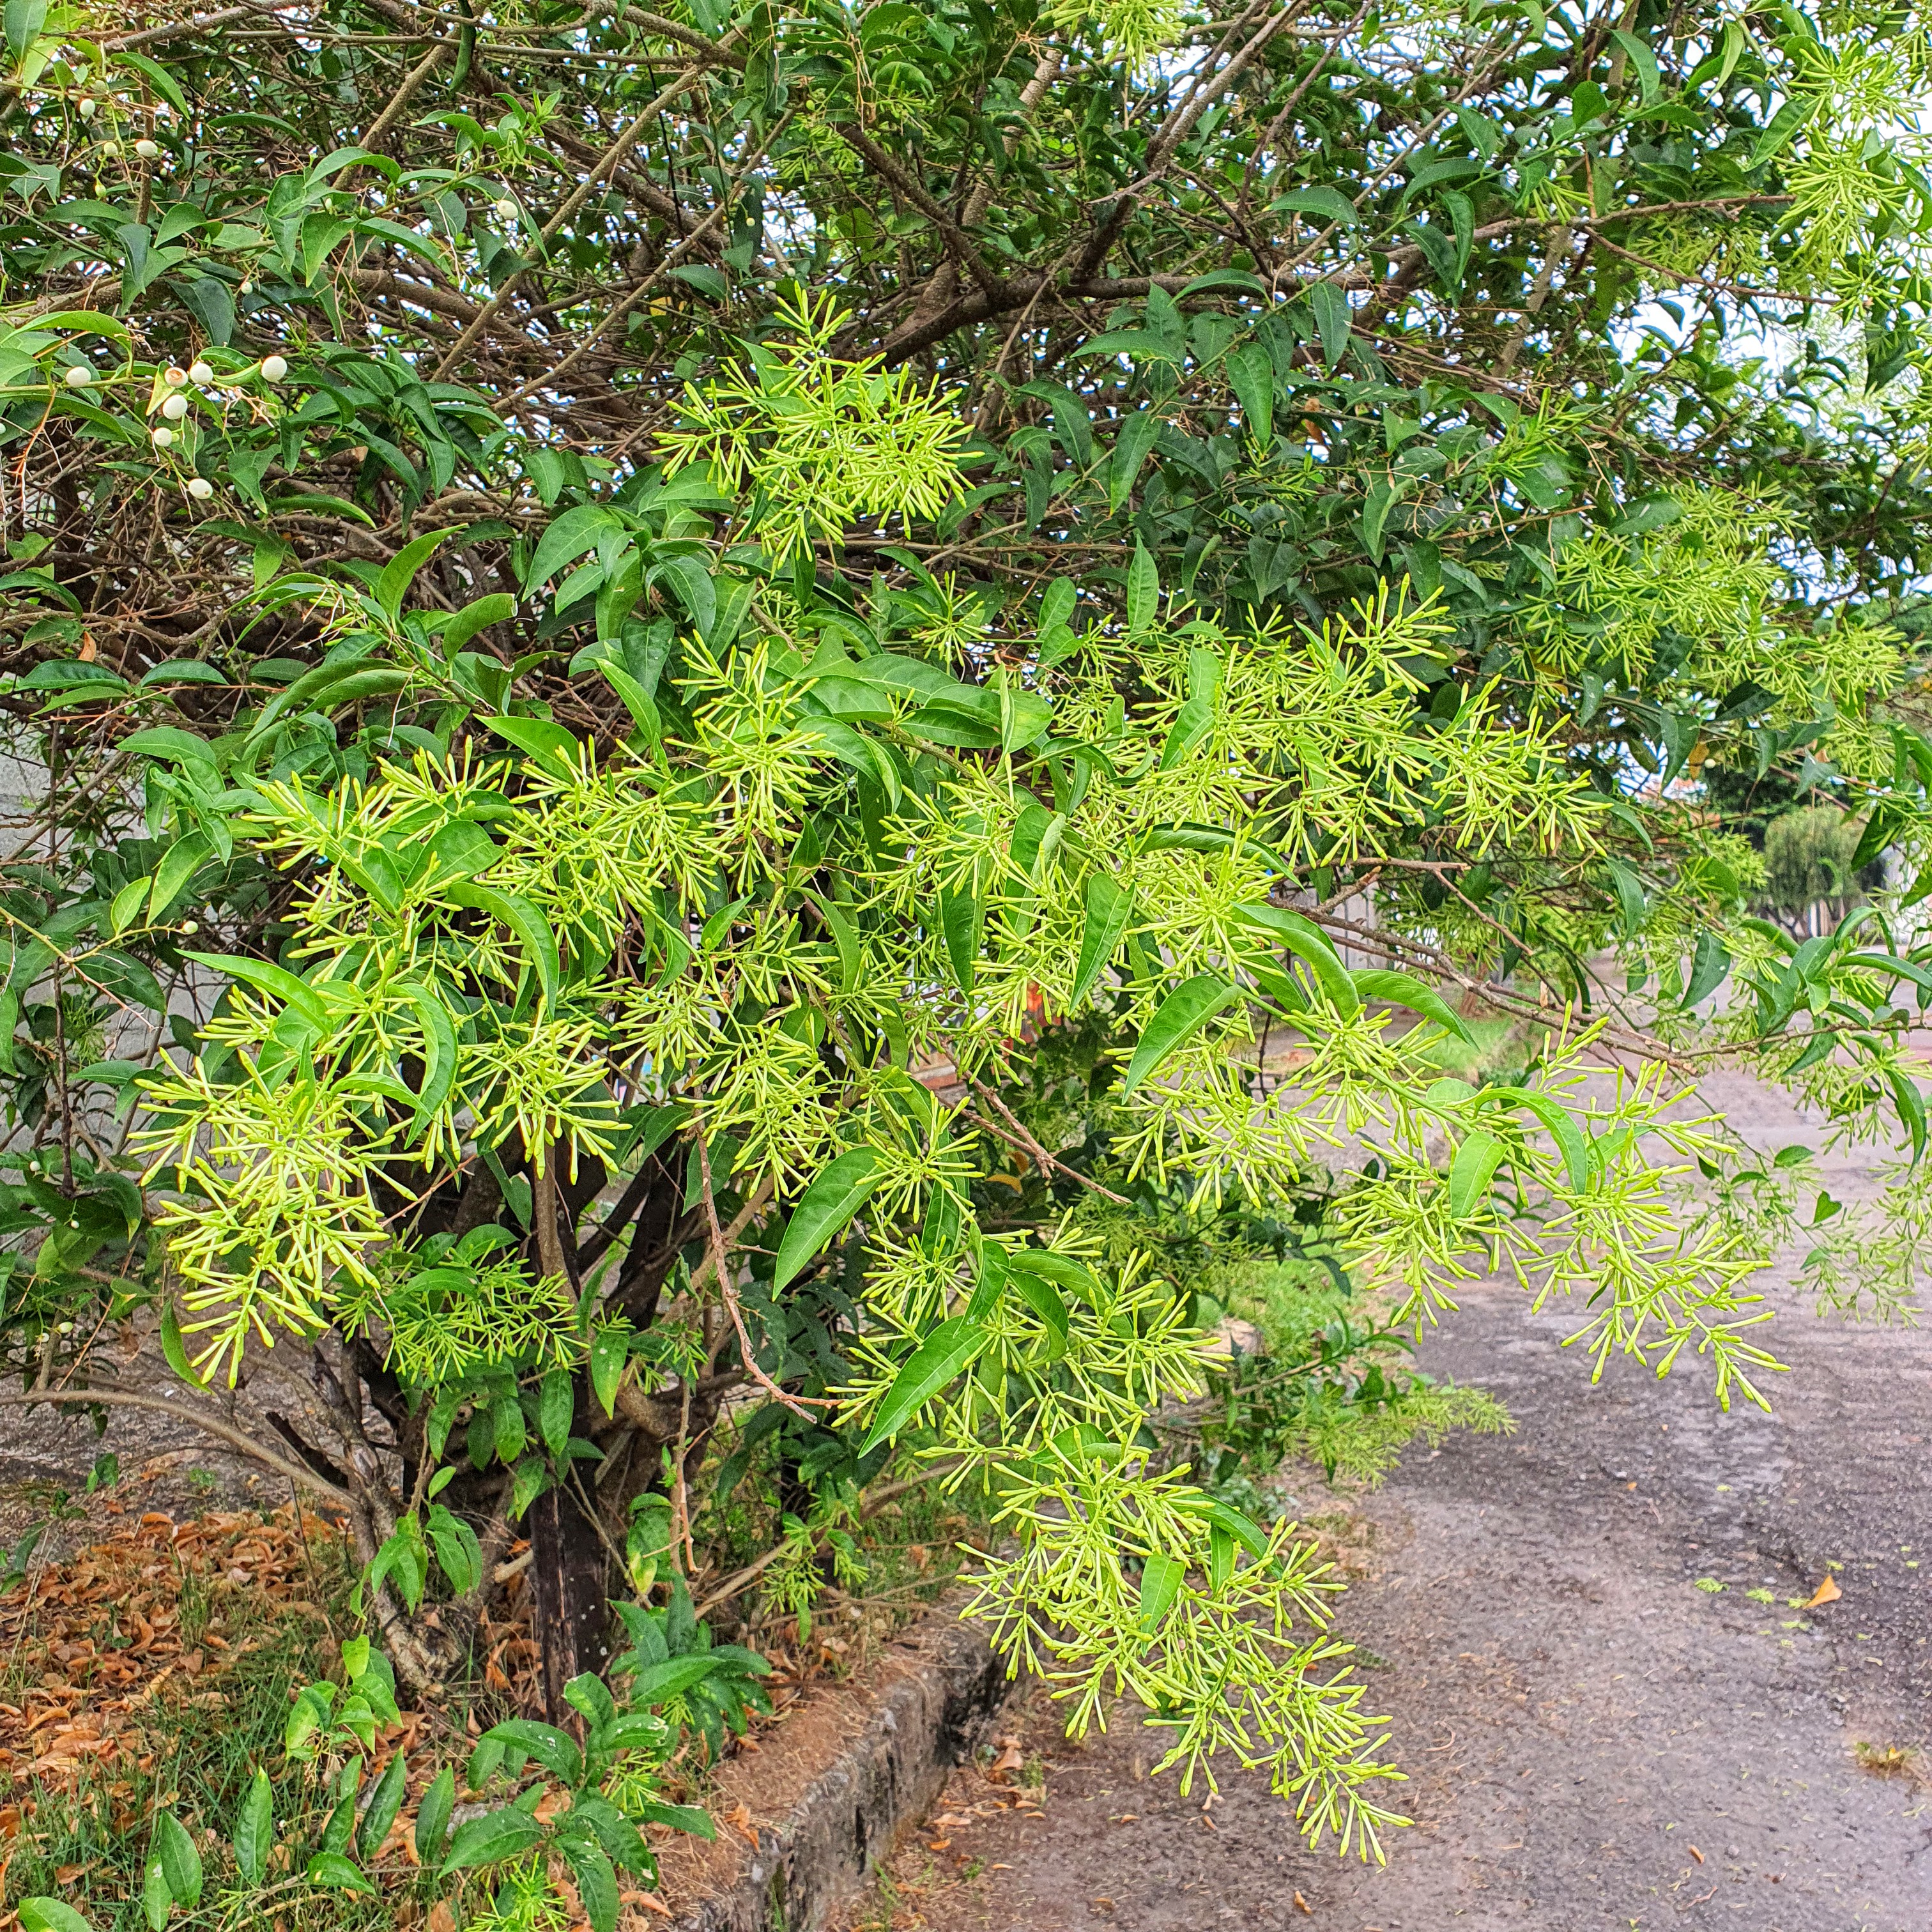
187, 1741
1494, 1040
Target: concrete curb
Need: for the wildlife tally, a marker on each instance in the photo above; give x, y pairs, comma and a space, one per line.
925, 1722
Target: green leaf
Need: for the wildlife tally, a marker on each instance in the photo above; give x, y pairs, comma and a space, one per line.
1632, 910
1043, 1298
488, 1840
1375, 506
506, 1428
610, 1352
558, 752
1330, 203
1330, 308
1220, 1558
1709, 965
175, 1350
1911, 1103
638, 701
24, 20
575, 531
1138, 435
589, 1865
498, 607
440, 1060
267, 977
1143, 591
178, 864
433, 1816
680, 1817
1063, 1270
950, 1348
157, 1903
1195, 717
347, 683
1308, 942
41, 1914
457, 1550
338, 1873
845, 937
659, 1683
555, 1408
1472, 1171
961, 914
531, 928
400, 572
181, 1862
1640, 57
1110, 911
1181, 1014
555, 1751
1161, 1579
1251, 377
385, 1801
1563, 1129
1781, 129
255, 1829
833, 1197
707, 281
1400, 989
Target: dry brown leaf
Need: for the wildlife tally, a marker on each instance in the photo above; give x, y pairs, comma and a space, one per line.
441, 1916
1010, 1757
1827, 1592
1302, 1905
1697, 1855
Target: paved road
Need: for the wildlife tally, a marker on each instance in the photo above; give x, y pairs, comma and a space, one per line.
1593, 1742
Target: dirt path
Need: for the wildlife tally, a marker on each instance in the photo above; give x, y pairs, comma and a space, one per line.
1593, 1740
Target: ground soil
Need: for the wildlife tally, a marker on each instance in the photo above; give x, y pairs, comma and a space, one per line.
1593, 1741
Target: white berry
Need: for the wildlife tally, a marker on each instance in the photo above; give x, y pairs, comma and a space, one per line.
147, 150
506, 211
175, 408
199, 488
163, 435
78, 378
200, 373
86, 106
174, 378
274, 368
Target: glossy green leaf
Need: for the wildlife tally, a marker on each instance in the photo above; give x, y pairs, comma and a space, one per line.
1306, 940
1161, 1579
836, 1193
1110, 911
951, 1348
1471, 1172
530, 927
181, 1859
1403, 989
1179, 1016
255, 1829
507, 1833
433, 1816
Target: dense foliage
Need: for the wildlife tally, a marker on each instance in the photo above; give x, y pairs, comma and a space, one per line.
717, 709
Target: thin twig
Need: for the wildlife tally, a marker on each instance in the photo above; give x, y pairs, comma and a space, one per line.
1048, 1162
720, 1268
